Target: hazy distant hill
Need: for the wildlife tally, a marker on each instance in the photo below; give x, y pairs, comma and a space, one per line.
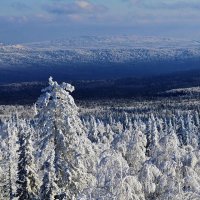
97, 58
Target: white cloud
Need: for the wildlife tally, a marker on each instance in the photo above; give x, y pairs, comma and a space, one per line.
78, 7
84, 4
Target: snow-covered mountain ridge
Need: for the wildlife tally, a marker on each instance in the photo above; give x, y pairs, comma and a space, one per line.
99, 50
185, 91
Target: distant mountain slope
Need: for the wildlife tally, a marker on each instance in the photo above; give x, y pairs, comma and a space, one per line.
191, 91
97, 58
116, 42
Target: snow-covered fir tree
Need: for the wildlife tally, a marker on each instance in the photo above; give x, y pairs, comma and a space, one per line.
27, 178
63, 149
9, 157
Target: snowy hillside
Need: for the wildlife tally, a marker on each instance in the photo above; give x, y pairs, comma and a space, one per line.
185, 91
56, 153
116, 42
125, 49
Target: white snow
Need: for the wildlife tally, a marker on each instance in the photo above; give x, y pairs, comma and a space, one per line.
123, 156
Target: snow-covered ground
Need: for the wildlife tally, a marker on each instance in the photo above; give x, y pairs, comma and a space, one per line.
186, 91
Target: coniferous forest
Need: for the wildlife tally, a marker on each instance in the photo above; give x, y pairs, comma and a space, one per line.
60, 152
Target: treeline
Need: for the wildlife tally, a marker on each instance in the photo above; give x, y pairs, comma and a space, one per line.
56, 154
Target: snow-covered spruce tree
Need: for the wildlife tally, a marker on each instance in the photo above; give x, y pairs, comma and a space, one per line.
5, 188
27, 180
168, 159
136, 148
149, 176
12, 131
148, 136
13, 160
8, 157
64, 152
114, 180
153, 145
152, 134
93, 131
182, 132
193, 130
132, 145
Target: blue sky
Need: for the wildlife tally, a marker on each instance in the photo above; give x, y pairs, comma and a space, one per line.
37, 20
